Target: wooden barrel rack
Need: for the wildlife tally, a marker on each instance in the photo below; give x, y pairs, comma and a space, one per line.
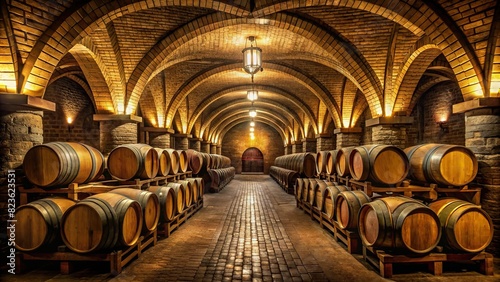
166, 229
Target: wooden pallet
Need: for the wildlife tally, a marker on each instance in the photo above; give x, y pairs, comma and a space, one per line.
350, 238
68, 260
465, 193
404, 188
166, 229
434, 261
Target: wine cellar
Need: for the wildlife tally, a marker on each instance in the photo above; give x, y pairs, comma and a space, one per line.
153, 140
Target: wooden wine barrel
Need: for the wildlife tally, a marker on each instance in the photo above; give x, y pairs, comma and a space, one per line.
194, 189
342, 161
164, 162
201, 188
167, 200
215, 161
385, 164
318, 194
180, 202
183, 161
446, 165
399, 223
331, 161
347, 206
329, 196
62, 163
299, 186
321, 162
304, 194
195, 161
38, 223
188, 192
309, 192
465, 226
149, 203
130, 161
100, 222
174, 161
206, 161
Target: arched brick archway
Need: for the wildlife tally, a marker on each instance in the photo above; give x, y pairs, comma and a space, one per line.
252, 161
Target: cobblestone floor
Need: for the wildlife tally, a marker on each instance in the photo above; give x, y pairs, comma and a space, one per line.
250, 231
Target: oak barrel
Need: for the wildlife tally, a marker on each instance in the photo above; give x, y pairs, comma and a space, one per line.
318, 194
130, 161
167, 200
174, 161
188, 192
331, 161
465, 226
38, 223
342, 161
164, 162
195, 161
446, 165
399, 223
201, 186
62, 163
183, 161
329, 196
347, 206
384, 164
149, 203
311, 183
195, 190
299, 187
180, 202
100, 222
321, 162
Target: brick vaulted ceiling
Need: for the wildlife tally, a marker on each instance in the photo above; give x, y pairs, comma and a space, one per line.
178, 64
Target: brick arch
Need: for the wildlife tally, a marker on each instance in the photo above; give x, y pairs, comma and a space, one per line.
239, 120
409, 17
88, 62
409, 76
80, 20
83, 84
331, 42
319, 91
215, 96
422, 88
276, 109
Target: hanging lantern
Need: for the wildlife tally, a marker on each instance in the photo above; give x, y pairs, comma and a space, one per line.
252, 57
252, 95
253, 113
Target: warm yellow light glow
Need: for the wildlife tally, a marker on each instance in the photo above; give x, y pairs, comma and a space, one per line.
252, 137
121, 108
69, 120
345, 122
495, 89
252, 123
253, 113
252, 129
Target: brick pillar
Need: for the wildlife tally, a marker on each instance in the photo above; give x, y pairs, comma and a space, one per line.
296, 147
195, 144
288, 149
482, 136
182, 141
205, 147
21, 127
347, 137
213, 148
390, 130
309, 145
116, 130
219, 149
160, 139
324, 142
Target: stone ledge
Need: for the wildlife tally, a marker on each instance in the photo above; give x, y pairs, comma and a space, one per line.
398, 120
348, 130
21, 102
157, 130
479, 103
107, 117
183, 135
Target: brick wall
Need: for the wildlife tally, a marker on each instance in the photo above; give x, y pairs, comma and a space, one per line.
267, 140
71, 101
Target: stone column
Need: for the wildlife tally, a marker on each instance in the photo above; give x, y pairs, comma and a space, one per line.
347, 137
324, 142
296, 147
482, 136
182, 141
390, 130
195, 144
213, 148
116, 130
219, 149
159, 137
205, 147
309, 145
21, 127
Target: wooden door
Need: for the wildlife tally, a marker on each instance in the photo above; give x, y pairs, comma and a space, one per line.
252, 160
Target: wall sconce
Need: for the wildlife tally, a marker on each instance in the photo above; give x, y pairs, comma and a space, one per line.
70, 124
443, 125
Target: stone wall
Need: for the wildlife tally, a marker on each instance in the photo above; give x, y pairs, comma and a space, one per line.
267, 140
71, 102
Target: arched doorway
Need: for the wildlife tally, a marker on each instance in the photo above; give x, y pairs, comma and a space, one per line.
252, 161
